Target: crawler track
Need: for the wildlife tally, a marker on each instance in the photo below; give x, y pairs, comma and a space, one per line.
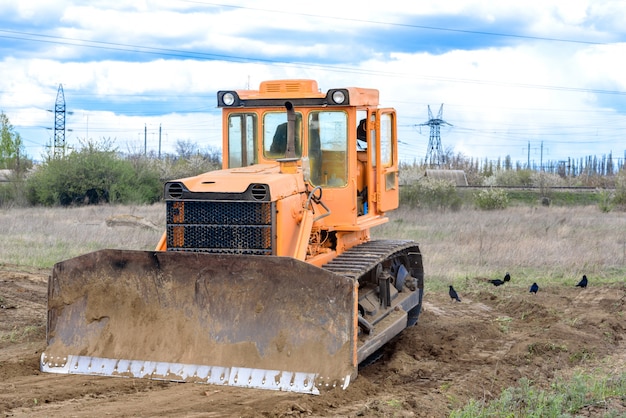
361, 259
389, 300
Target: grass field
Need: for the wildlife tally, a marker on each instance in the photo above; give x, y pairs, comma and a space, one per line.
549, 244
538, 243
40, 237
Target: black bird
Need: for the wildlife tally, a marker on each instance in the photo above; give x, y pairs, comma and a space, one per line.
534, 288
497, 282
453, 294
507, 277
583, 282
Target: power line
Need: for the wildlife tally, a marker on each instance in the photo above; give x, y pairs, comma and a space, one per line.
83, 43
405, 25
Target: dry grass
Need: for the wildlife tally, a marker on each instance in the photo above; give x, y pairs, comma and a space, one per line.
40, 237
552, 244
534, 244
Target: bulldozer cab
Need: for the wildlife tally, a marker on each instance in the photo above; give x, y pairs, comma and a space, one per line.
343, 142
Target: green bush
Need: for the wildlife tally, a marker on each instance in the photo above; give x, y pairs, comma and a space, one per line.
7, 195
431, 194
490, 199
616, 199
619, 198
605, 201
171, 168
504, 178
94, 174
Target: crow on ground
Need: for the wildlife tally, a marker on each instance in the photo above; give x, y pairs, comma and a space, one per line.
583, 282
534, 288
498, 282
453, 294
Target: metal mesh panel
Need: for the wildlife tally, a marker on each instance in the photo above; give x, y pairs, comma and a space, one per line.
220, 227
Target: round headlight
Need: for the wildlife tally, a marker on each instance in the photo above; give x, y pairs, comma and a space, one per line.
339, 97
228, 99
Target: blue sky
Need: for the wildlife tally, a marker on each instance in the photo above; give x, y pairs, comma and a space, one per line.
534, 80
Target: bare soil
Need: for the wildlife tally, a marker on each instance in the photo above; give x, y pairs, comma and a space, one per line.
458, 351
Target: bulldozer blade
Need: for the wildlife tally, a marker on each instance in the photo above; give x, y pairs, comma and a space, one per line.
243, 320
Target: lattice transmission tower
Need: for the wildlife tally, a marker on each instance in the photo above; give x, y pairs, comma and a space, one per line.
434, 154
59, 124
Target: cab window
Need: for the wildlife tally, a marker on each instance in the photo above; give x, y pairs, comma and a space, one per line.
241, 140
386, 140
328, 148
275, 134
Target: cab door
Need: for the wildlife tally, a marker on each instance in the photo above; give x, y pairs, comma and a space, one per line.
388, 192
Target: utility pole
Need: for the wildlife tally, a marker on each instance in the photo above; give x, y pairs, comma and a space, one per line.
159, 141
145, 139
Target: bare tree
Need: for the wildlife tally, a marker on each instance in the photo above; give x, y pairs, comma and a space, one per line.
186, 148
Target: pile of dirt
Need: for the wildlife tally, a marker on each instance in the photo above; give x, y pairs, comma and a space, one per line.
458, 351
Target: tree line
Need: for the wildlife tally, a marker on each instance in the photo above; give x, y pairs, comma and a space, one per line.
591, 171
98, 172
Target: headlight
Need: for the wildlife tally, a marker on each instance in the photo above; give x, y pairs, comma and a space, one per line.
228, 99
338, 97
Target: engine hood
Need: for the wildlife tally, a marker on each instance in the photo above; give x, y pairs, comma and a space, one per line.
261, 182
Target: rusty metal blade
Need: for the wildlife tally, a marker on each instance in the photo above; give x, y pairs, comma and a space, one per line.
189, 310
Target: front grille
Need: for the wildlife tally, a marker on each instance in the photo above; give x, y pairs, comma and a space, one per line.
230, 227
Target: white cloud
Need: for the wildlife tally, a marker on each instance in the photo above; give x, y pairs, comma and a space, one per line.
36, 12
499, 96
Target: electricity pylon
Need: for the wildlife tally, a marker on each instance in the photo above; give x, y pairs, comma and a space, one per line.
434, 154
59, 124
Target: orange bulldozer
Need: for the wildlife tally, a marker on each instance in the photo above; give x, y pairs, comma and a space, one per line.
266, 275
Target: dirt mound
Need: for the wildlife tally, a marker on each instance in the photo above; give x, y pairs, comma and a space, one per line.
458, 351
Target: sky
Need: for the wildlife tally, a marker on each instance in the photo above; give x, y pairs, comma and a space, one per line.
534, 80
